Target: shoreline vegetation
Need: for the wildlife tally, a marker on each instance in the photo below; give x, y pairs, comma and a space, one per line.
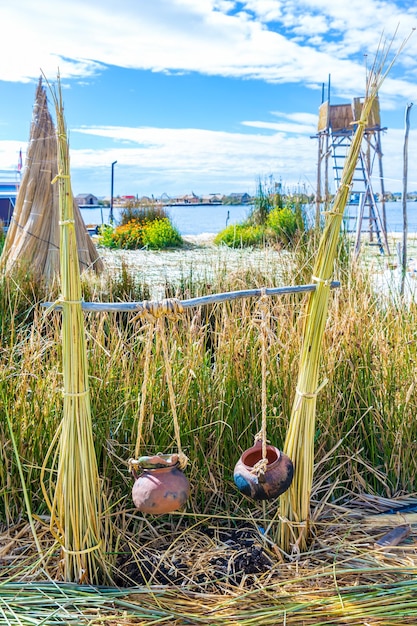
273, 218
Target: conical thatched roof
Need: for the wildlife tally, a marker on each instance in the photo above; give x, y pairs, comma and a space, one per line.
32, 239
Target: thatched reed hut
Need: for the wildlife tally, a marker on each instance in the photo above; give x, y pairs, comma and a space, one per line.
32, 240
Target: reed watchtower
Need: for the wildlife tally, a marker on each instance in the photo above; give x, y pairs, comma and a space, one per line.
336, 127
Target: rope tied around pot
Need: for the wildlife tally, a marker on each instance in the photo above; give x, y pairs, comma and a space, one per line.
155, 313
260, 467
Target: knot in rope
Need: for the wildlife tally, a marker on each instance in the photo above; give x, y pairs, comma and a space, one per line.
260, 468
331, 212
363, 122
80, 552
324, 281
260, 437
75, 394
178, 459
262, 307
182, 460
152, 310
58, 176
60, 301
310, 395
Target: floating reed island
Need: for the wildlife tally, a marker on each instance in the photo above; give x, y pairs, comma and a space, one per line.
101, 385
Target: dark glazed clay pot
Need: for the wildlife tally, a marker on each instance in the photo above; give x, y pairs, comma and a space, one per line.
161, 487
276, 479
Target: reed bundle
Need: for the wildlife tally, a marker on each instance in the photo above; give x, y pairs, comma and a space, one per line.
32, 240
299, 442
76, 503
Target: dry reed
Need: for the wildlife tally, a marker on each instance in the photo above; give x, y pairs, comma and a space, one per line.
76, 501
299, 443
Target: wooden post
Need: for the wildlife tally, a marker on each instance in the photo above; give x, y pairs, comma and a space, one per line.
404, 198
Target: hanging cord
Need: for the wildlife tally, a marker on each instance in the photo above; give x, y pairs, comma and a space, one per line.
156, 312
263, 307
144, 388
161, 328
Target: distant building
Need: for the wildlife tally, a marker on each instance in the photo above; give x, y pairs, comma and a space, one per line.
189, 199
213, 198
240, 198
86, 199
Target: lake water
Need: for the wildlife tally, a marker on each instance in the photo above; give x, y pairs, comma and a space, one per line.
197, 220
190, 220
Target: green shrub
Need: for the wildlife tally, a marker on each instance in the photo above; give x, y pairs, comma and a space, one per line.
126, 236
283, 224
105, 236
240, 236
160, 233
156, 235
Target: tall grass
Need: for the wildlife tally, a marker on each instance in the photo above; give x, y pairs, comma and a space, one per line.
367, 408
142, 213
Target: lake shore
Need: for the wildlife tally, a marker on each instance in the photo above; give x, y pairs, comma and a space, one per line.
199, 259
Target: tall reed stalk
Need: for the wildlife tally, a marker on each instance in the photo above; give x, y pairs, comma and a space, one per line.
76, 504
299, 443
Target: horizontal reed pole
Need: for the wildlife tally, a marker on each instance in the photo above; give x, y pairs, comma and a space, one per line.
201, 301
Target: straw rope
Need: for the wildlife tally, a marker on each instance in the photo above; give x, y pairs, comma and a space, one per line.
309, 395
144, 389
260, 467
156, 313
152, 310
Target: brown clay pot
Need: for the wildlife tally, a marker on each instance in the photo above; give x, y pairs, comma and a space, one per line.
161, 487
276, 479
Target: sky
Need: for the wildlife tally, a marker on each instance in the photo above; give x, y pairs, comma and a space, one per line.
203, 96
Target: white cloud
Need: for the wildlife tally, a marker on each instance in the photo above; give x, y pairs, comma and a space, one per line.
294, 123
156, 160
9, 154
225, 160
278, 41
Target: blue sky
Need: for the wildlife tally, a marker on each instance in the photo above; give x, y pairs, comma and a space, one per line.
201, 95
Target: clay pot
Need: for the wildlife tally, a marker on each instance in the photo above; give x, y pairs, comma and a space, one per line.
161, 487
276, 479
